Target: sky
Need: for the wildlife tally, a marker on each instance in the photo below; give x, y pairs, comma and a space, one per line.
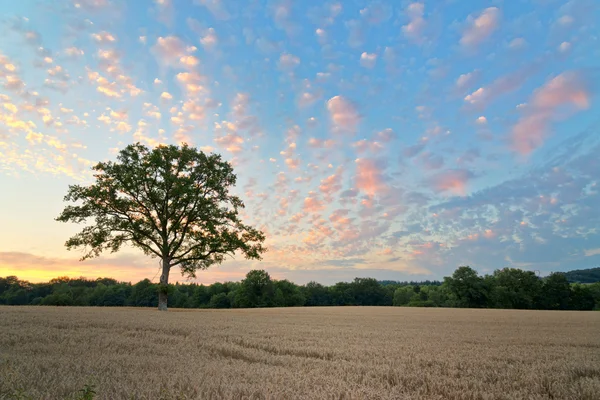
387, 139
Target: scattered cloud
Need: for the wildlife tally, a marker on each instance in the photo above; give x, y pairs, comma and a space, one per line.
368, 60
454, 181
173, 52
369, 176
288, 61
568, 90
481, 27
343, 113
416, 25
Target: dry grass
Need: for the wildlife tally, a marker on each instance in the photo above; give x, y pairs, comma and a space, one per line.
318, 353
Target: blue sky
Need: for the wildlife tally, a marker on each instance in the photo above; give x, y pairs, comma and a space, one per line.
396, 140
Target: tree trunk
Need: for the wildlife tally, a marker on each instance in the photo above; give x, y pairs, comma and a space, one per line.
164, 282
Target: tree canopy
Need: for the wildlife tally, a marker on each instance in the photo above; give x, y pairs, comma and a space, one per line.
171, 202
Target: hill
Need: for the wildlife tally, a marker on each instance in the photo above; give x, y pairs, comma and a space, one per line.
590, 275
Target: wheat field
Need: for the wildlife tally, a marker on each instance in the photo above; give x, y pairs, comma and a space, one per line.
299, 353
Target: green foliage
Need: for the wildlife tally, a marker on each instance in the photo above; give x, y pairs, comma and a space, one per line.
220, 300
467, 288
591, 275
555, 292
18, 394
514, 288
87, 393
505, 288
256, 290
402, 295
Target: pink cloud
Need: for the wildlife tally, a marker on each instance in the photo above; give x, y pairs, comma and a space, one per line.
482, 97
288, 61
292, 163
216, 8
368, 60
481, 27
386, 135
308, 98
343, 113
312, 204
173, 52
332, 184
319, 143
340, 220
364, 145
416, 25
369, 176
568, 90
104, 37
454, 181
466, 81
191, 82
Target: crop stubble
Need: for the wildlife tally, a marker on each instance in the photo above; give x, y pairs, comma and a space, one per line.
311, 353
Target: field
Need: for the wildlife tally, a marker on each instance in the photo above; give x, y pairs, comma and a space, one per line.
308, 353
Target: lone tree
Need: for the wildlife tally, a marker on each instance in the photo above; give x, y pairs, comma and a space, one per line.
171, 202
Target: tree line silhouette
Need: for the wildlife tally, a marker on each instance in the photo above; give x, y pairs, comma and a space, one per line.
507, 288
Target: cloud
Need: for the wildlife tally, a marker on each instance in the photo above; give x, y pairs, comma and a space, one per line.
192, 110
484, 96
104, 37
312, 204
319, 143
363, 146
343, 113
416, 25
480, 28
564, 47
386, 135
466, 81
210, 39
282, 16
91, 5
165, 11
368, 60
592, 252
226, 137
376, 12
192, 82
432, 161
517, 44
369, 176
173, 52
73, 52
355, 32
413, 150
308, 98
569, 90
454, 181
288, 61
216, 8
331, 185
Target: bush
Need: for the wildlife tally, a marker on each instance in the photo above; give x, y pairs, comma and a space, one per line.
57, 300
220, 301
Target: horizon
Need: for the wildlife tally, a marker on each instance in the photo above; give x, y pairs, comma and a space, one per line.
392, 141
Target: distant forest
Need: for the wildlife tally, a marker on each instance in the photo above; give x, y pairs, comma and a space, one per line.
507, 288
591, 275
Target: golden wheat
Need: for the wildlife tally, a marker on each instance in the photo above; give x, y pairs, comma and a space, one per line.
299, 353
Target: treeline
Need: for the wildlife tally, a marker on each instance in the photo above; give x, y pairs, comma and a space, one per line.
506, 288
590, 275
